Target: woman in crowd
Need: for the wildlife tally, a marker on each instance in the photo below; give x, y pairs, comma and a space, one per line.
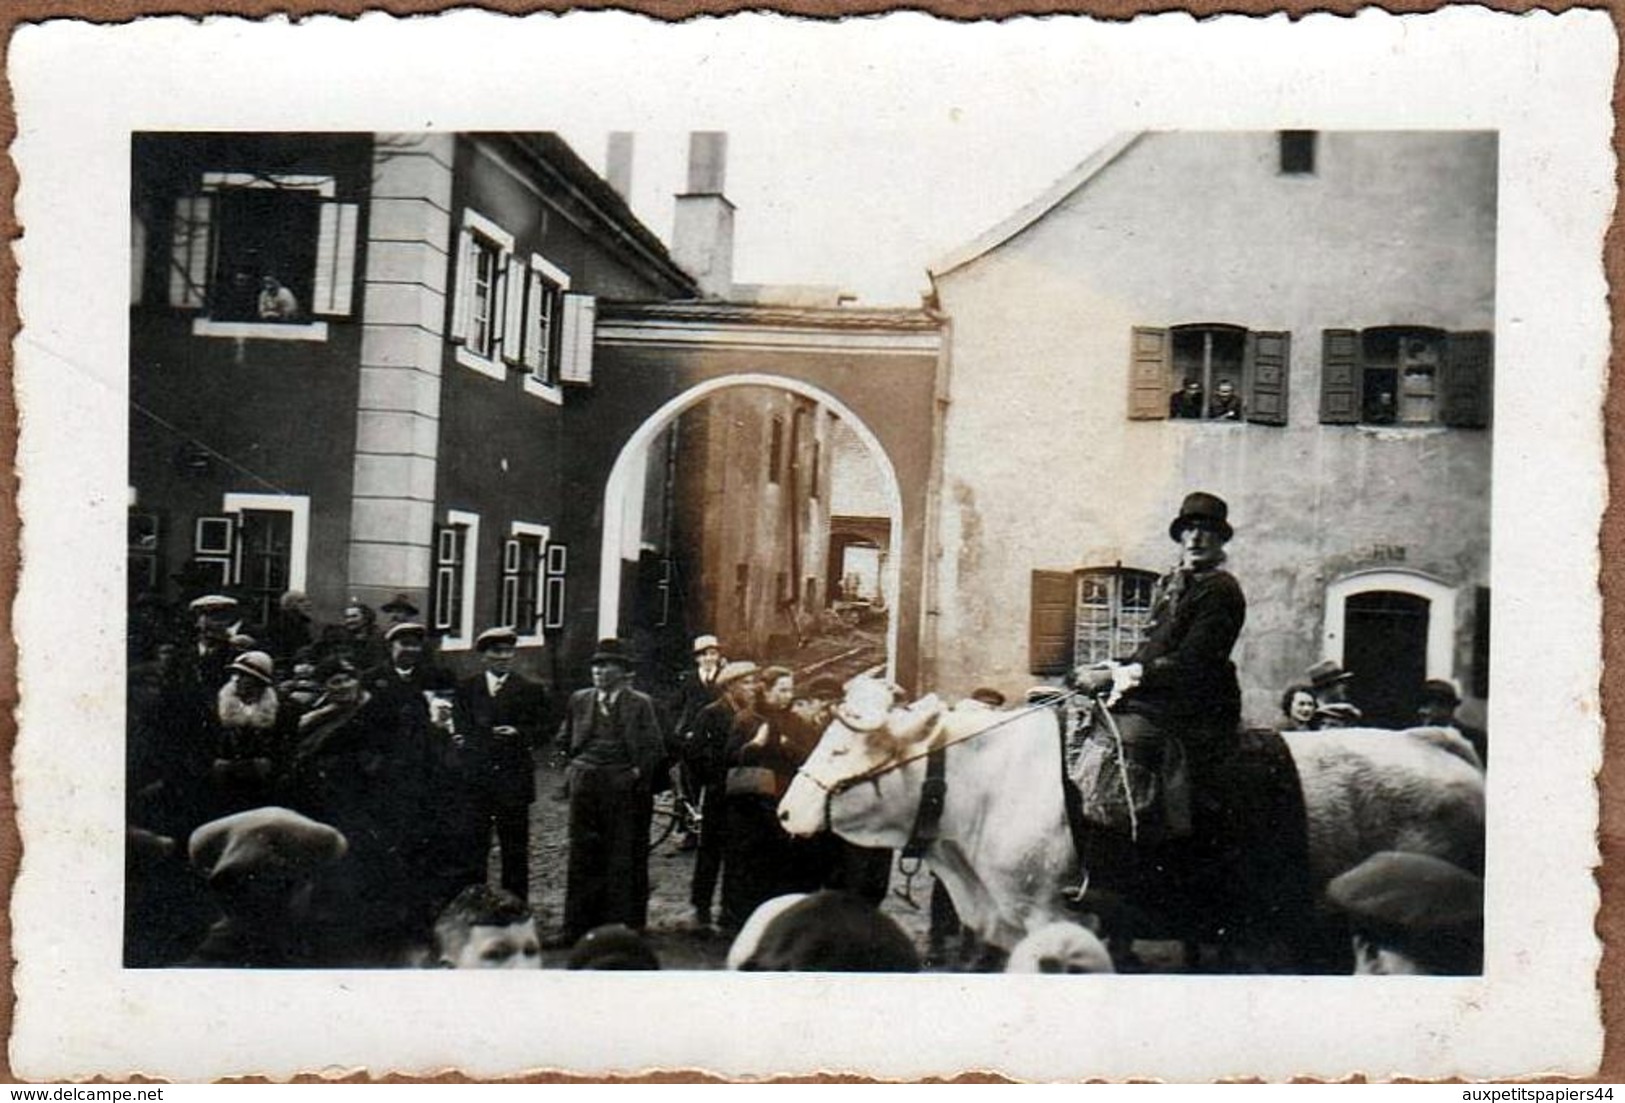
761, 861
1298, 708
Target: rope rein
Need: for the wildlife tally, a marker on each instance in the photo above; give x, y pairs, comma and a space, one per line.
841, 786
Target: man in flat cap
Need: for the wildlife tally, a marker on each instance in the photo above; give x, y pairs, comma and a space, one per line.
612, 735
497, 724
1412, 913
1437, 709
261, 868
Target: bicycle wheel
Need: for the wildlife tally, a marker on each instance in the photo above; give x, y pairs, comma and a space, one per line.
664, 820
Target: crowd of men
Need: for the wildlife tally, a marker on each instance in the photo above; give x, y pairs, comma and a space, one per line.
305, 795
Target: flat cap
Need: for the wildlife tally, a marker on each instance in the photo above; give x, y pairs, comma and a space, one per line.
405, 628
1413, 892
496, 637
263, 840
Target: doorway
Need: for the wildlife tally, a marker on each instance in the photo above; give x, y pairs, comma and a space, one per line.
1385, 648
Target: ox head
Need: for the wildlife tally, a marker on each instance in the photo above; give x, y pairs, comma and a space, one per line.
849, 784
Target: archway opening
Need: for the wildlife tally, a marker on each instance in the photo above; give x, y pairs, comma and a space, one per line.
758, 509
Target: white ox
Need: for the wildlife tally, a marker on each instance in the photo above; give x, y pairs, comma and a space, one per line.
1004, 851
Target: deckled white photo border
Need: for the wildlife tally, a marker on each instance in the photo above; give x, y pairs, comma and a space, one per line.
1542, 81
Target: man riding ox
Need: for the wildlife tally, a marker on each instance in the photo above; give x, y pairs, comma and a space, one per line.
1175, 706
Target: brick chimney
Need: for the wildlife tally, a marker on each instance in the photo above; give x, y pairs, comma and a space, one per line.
618, 163
703, 237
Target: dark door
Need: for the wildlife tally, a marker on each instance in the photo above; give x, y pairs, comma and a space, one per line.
1385, 647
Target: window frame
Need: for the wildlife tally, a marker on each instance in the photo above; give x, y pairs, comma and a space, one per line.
1263, 378
542, 534
214, 186
462, 639
1117, 644
1463, 377
476, 233
543, 367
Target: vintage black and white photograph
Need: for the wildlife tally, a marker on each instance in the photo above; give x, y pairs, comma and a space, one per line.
684, 542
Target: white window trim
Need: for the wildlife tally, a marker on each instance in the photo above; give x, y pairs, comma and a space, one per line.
261, 331
464, 639
298, 539
1441, 598
543, 533
472, 220
535, 386
327, 188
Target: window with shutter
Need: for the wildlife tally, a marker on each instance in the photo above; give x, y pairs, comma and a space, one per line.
264, 255
1051, 622
486, 317
522, 598
1405, 375
543, 326
451, 599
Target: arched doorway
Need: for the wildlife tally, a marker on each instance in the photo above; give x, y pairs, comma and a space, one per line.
1392, 630
632, 575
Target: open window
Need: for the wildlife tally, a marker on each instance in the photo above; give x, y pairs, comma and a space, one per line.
1405, 375
1209, 372
263, 255
521, 597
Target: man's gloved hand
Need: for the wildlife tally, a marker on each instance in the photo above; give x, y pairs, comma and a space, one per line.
1091, 680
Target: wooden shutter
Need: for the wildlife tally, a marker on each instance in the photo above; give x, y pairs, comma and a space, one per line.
189, 251
1340, 382
464, 286
557, 565
1054, 598
1148, 374
335, 259
1467, 374
445, 599
508, 594
216, 541
513, 318
575, 363
534, 352
1269, 363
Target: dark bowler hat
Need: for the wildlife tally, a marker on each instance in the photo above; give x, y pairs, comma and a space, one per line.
1202, 508
1437, 689
400, 603
496, 637
405, 628
613, 651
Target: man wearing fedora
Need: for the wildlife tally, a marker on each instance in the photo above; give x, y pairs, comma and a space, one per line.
1176, 702
613, 738
496, 725
1330, 684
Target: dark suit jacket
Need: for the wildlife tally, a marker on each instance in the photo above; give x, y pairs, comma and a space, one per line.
1188, 676
500, 766
632, 717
